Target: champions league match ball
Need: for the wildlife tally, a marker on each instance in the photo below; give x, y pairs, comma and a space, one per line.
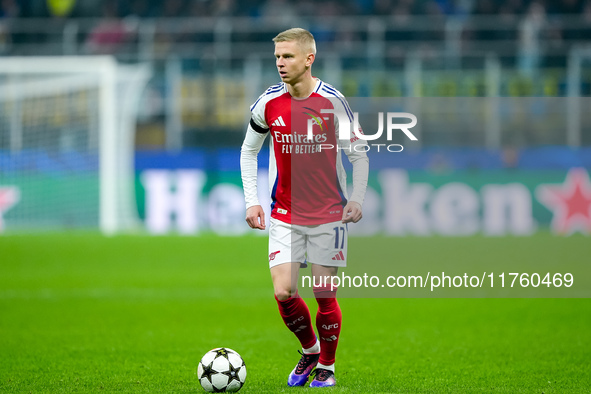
221, 370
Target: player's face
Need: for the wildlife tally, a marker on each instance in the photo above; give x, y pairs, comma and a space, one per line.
292, 62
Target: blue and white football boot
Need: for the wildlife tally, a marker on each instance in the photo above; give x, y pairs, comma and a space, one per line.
299, 375
323, 378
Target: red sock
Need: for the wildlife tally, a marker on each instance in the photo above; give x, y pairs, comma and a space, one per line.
296, 316
328, 323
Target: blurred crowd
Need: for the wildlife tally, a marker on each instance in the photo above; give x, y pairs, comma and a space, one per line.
277, 8
524, 33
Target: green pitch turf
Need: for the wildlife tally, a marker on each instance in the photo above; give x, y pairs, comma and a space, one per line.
83, 313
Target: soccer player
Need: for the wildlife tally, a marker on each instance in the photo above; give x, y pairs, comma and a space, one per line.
309, 210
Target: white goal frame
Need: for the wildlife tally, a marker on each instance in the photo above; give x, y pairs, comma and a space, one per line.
116, 169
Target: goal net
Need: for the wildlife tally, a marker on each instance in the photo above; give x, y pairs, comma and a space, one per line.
67, 128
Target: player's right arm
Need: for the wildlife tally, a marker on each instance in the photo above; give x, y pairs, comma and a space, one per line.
253, 141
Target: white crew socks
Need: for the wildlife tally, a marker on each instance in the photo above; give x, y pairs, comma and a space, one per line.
313, 349
329, 367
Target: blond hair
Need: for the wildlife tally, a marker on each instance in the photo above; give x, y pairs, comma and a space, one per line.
299, 35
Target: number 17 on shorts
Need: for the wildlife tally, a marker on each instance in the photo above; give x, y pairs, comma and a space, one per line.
324, 244
327, 244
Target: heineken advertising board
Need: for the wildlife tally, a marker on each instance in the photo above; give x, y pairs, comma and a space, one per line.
200, 191
398, 202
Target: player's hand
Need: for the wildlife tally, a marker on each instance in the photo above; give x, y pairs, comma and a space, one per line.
253, 214
352, 212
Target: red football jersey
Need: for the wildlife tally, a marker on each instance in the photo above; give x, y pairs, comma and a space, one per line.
307, 178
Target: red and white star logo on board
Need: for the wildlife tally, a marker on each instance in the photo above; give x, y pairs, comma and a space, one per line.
570, 202
9, 196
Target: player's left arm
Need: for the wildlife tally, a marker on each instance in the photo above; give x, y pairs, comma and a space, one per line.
352, 212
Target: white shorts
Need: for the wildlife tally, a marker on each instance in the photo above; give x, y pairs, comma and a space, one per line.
324, 244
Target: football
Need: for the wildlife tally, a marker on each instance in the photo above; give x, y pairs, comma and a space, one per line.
221, 370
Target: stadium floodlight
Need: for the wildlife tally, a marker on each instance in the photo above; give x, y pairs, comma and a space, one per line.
67, 129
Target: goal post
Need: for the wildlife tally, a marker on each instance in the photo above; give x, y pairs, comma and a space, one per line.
63, 107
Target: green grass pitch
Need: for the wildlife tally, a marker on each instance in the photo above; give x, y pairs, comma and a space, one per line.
83, 313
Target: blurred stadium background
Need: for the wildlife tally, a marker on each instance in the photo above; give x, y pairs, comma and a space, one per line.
187, 71
126, 117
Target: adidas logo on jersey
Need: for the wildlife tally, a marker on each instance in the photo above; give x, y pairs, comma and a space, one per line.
339, 256
278, 122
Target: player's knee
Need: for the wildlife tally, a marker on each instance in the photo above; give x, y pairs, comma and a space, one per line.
284, 293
